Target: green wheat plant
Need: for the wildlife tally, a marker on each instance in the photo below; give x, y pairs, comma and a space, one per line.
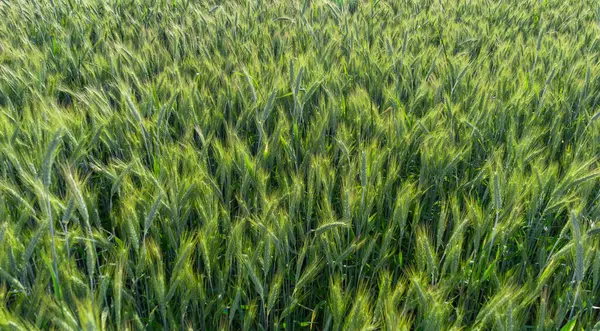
299, 165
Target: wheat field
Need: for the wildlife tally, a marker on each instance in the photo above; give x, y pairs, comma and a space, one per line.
299, 165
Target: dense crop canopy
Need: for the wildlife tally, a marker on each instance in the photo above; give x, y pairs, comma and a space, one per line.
299, 165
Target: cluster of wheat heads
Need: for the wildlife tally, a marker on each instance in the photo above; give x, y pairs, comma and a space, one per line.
299, 165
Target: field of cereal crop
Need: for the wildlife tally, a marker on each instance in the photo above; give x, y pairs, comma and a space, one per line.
299, 165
